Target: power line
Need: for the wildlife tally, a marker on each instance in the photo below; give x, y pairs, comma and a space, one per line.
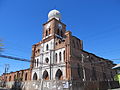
15, 58
75, 67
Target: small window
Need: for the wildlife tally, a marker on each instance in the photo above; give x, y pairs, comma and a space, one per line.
64, 55
60, 56
49, 31
46, 33
38, 50
56, 43
37, 62
56, 57
59, 41
47, 47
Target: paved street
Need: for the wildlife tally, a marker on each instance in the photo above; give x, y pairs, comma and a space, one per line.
3, 88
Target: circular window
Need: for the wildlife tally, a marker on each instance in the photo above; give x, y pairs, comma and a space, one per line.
46, 60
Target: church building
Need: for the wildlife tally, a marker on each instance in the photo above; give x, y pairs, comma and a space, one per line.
60, 56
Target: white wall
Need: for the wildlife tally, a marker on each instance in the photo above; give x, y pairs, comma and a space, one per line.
45, 66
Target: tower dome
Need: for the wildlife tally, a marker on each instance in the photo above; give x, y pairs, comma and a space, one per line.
54, 14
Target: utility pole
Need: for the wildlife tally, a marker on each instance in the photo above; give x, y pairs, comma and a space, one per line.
7, 66
83, 66
6, 70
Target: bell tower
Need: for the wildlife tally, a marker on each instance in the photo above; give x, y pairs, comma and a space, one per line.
54, 26
49, 54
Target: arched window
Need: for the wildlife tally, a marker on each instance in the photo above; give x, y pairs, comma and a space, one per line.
45, 75
58, 74
15, 77
64, 55
56, 57
35, 76
37, 62
47, 47
59, 41
38, 50
47, 60
26, 77
49, 31
56, 43
46, 33
60, 56
10, 78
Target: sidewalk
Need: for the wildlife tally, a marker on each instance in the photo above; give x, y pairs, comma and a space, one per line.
1, 88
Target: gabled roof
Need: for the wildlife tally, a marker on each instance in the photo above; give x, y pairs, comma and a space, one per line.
117, 66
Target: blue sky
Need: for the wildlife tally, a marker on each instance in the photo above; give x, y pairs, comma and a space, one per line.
96, 22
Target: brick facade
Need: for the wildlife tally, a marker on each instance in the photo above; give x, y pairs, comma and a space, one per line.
60, 55
22, 75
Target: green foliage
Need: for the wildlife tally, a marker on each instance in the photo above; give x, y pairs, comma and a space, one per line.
117, 77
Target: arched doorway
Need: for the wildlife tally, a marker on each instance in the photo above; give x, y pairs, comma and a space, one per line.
58, 75
45, 75
35, 76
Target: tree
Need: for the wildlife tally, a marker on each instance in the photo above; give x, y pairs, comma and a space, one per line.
117, 77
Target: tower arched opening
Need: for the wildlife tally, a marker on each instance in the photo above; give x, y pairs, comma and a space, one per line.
45, 75
35, 76
58, 75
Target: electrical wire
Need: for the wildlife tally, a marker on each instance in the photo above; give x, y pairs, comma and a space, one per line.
75, 67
